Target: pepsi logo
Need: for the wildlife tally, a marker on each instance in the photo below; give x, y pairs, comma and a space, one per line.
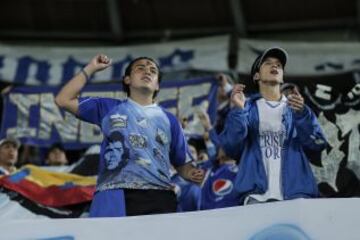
222, 187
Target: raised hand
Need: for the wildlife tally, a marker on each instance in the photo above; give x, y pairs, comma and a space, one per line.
238, 96
98, 63
204, 120
295, 100
222, 79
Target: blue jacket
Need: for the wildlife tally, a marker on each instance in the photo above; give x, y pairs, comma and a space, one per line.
239, 140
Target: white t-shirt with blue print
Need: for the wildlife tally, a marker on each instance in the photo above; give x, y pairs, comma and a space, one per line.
271, 138
140, 143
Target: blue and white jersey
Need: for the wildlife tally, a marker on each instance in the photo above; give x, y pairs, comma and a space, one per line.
140, 143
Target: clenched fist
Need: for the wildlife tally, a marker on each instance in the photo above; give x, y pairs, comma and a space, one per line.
98, 63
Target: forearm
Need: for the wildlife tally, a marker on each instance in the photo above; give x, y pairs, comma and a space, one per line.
67, 98
235, 129
309, 130
235, 133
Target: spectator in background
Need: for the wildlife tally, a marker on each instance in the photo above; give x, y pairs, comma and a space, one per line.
187, 193
210, 136
151, 139
218, 189
218, 186
184, 122
193, 150
8, 155
202, 156
269, 132
56, 156
29, 155
223, 99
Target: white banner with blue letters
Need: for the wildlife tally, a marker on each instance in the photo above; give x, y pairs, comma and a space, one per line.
56, 65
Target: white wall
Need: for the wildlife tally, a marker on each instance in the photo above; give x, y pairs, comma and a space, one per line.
298, 219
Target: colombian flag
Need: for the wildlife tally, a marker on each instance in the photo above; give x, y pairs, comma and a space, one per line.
49, 188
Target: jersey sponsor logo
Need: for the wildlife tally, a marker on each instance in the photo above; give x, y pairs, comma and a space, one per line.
138, 141
118, 121
143, 123
222, 187
161, 137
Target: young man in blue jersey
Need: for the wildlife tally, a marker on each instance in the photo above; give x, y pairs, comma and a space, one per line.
218, 186
141, 140
268, 133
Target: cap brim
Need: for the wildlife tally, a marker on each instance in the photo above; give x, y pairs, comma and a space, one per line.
276, 52
13, 141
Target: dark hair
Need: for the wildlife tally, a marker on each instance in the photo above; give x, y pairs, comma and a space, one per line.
128, 72
53, 147
254, 69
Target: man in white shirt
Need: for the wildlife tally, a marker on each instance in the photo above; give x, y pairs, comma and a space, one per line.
268, 132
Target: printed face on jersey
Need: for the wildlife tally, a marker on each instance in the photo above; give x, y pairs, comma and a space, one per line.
113, 154
116, 154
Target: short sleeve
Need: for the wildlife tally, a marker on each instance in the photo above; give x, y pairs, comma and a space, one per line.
178, 146
94, 109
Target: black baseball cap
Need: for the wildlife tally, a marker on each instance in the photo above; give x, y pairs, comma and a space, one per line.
276, 52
